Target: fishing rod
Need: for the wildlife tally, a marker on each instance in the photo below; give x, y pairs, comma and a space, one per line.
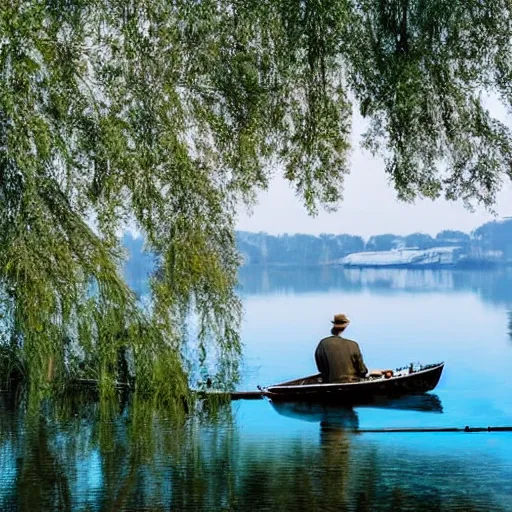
394, 430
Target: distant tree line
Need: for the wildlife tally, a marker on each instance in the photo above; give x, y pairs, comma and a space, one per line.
490, 242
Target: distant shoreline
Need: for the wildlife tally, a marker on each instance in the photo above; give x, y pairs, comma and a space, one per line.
489, 246
486, 248
439, 266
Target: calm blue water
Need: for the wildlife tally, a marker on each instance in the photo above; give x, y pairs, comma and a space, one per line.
398, 317
255, 456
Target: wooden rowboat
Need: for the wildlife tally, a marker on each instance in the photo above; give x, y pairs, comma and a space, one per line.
403, 382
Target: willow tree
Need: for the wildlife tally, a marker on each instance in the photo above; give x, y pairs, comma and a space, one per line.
171, 114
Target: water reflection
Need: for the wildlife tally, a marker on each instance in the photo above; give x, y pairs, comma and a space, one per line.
326, 415
82, 455
339, 417
494, 286
141, 459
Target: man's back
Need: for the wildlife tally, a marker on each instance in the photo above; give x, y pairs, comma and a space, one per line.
339, 359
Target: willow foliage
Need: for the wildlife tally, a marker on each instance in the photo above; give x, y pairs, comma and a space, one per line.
168, 115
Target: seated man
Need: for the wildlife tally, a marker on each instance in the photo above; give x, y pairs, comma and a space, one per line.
339, 359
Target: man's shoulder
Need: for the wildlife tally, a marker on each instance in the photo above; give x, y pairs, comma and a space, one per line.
338, 339
351, 342
329, 338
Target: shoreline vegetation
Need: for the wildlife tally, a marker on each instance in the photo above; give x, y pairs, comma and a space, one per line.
488, 246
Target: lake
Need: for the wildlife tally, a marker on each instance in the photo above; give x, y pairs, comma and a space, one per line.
252, 455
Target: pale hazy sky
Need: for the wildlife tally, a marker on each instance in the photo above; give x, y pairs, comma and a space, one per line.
369, 206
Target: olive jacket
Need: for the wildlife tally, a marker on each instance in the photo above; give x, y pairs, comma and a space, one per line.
339, 360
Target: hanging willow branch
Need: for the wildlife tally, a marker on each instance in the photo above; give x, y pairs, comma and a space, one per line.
169, 115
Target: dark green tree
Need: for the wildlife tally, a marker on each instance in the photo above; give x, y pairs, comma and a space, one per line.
495, 236
419, 240
453, 237
383, 242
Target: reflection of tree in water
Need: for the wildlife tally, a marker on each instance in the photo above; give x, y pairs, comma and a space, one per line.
492, 286
41, 482
149, 461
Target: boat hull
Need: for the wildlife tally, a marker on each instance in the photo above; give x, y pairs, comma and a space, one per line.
361, 392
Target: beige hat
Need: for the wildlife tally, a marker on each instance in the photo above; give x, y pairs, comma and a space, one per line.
340, 320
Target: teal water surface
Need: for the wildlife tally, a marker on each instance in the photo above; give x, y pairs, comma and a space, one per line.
256, 456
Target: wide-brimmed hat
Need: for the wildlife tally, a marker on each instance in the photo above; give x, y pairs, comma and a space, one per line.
340, 320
